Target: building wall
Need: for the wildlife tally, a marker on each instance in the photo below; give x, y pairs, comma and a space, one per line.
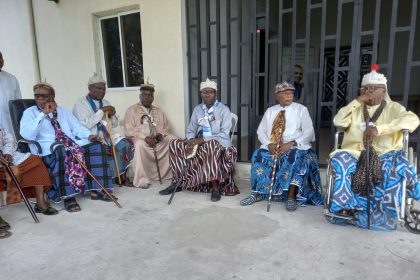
17, 43
68, 49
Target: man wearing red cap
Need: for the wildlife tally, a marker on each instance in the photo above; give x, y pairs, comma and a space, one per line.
372, 121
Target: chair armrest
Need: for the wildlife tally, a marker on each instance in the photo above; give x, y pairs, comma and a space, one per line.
339, 130
25, 141
406, 135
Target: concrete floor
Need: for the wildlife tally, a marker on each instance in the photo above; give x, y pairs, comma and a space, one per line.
198, 239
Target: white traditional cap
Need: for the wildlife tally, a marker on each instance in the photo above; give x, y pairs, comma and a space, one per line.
373, 77
95, 79
208, 84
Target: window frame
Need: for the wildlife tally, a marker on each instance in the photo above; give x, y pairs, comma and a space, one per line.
118, 15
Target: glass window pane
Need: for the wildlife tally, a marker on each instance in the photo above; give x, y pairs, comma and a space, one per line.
131, 33
112, 52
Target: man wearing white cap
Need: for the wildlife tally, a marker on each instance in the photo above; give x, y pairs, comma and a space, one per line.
91, 110
285, 133
211, 167
149, 128
388, 167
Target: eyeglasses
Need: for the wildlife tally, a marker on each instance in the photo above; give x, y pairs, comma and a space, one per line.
286, 92
40, 95
370, 88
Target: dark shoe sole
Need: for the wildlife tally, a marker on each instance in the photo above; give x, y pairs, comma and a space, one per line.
5, 234
215, 196
168, 191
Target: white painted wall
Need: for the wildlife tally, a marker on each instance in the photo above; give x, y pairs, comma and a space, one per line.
68, 52
17, 43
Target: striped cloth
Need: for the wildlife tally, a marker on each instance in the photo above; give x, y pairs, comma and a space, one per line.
395, 168
213, 162
95, 160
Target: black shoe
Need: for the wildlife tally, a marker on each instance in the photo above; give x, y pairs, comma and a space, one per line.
169, 190
215, 196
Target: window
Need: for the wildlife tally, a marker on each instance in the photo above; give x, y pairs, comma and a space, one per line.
122, 56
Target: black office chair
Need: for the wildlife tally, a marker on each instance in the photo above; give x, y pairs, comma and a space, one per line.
16, 108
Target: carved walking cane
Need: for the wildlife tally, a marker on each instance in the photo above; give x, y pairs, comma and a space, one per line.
153, 135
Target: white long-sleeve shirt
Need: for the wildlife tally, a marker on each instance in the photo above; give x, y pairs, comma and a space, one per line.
89, 118
35, 126
9, 90
84, 112
299, 126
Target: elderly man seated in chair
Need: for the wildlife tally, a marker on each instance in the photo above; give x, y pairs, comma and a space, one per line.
285, 133
47, 123
97, 114
204, 161
373, 123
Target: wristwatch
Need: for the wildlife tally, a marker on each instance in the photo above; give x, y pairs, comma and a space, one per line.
294, 143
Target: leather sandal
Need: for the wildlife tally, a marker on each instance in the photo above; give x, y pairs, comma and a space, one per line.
4, 225
71, 205
46, 211
4, 233
102, 196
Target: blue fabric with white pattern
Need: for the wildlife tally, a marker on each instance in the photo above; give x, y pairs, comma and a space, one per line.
395, 168
295, 167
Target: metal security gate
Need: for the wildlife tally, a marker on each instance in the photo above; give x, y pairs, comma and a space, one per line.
250, 45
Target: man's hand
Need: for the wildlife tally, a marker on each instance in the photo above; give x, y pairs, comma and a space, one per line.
150, 141
272, 148
369, 134
108, 109
365, 97
8, 158
93, 138
49, 107
192, 142
285, 147
159, 137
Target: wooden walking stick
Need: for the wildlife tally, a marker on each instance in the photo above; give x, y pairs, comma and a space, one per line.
19, 187
367, 177
113, 147
178, 183
275, 158
273, 176
153, 135
82, 164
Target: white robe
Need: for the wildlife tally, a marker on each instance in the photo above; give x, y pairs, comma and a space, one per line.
85, 114
299, 126
9, 90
